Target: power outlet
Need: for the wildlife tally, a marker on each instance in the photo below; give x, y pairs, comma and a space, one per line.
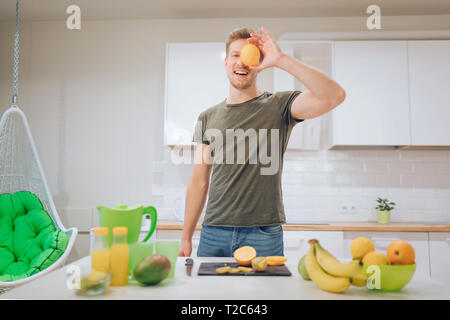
348, 209
344, 209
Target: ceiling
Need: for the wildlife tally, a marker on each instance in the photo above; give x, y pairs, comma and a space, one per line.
38, 10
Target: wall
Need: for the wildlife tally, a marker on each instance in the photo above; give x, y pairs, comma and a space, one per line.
94, 99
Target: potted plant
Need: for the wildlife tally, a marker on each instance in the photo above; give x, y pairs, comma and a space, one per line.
384, 209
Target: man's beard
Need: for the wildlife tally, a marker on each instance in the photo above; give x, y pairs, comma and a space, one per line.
240, 85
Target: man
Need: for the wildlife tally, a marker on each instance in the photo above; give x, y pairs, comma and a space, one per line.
245, 205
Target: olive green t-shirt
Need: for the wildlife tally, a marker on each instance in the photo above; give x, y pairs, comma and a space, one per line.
248, 141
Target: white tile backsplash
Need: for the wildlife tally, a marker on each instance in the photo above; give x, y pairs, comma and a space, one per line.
400, 167
386, 180
316, 184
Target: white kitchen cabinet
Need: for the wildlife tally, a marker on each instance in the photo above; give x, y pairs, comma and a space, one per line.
195, 80
374, 75
306, 135
429, 72
381, 240
440, 256
296, 243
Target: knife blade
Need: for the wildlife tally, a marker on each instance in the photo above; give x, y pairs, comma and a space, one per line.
189, 263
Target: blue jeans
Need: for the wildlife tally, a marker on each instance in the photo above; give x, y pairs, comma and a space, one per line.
223, 241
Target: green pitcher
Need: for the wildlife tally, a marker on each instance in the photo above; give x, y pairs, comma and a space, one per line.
130, 217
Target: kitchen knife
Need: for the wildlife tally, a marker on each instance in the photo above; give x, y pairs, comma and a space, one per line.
189, 263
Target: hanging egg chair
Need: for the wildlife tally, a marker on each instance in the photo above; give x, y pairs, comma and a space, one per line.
33, 240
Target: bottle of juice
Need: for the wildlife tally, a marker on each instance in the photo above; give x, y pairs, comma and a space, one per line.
100, 253
120, 257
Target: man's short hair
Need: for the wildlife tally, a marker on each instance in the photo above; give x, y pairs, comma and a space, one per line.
236, 34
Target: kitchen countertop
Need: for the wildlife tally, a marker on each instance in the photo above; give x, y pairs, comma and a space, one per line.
338, 226
182, 287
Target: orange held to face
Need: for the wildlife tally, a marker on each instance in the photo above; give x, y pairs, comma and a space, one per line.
401, 252
250, 55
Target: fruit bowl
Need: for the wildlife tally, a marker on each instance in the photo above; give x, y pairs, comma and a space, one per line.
393, 277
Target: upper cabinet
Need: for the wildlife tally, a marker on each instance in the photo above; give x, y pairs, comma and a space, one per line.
397, 91
429, 89
374, 75
309, 134
195, 80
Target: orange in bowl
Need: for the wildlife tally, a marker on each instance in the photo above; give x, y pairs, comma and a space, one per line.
245, 255
401, 252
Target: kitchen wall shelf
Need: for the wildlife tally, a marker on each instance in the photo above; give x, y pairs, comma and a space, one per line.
337, 226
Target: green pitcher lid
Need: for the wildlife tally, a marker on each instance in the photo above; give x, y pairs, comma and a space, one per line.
125, 207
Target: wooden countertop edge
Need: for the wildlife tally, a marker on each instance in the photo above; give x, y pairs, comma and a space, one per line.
369, 226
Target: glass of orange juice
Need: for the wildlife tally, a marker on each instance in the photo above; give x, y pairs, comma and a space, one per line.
120, 256
100, 252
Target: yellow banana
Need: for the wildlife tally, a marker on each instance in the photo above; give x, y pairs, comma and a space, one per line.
323, 280
359, 280
334, 267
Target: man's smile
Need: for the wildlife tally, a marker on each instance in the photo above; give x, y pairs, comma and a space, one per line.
240, 73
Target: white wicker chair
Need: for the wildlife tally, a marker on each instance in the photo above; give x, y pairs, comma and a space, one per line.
20, 169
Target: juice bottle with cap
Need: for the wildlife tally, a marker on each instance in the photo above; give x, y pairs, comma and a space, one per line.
100, 253
120, 256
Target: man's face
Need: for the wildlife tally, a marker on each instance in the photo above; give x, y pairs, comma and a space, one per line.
240, 76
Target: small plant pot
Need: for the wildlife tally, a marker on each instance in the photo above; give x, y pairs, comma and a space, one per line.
383, 216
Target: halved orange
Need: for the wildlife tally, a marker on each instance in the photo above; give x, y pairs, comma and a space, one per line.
275, 260
245, 255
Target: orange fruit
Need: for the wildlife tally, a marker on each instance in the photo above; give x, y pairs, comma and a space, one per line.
245, 255
401, 252
275, 260
376, 258
250, 55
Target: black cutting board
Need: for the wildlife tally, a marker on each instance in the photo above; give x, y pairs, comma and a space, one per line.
209, 269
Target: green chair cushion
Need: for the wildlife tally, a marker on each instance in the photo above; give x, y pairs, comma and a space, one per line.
29, 241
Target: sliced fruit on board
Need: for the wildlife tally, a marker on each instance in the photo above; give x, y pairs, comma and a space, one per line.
245, 255
275, 260
259, 264
234, 270
224, 269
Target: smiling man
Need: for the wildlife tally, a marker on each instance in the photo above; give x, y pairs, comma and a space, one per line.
242, 140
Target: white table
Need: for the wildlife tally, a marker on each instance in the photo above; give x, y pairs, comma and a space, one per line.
183, 287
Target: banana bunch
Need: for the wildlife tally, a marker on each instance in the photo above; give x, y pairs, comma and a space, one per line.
329, 273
